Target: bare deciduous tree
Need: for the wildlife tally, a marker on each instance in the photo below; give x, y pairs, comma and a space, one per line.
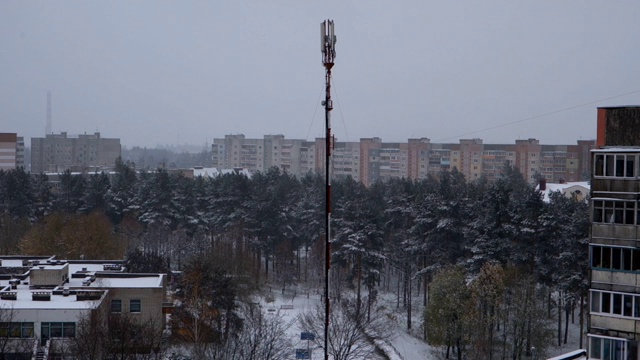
263, 336
102, 335
351, 336
14, 337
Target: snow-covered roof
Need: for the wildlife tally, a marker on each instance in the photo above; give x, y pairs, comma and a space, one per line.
573, 355
617, 149
24, 300
579, 188
95, 277
128, 282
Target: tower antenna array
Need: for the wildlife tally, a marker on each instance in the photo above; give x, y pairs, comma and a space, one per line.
327, 46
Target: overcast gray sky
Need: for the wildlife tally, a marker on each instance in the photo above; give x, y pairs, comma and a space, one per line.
149, 72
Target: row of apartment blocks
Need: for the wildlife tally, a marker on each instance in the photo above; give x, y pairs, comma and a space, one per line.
11, 151
371, 159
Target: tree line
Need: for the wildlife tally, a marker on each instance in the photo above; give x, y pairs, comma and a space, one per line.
497, 242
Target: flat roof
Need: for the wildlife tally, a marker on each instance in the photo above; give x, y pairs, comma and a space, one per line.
93, 275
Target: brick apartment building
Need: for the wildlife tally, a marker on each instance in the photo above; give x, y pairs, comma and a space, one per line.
11, 151
614, 316
371, 159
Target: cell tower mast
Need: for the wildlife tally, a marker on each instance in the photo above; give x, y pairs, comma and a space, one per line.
327, 45
47, 129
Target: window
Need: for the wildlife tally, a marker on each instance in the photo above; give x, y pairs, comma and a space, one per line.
116, 306
607, 348
615, 165
615, 212
615, 258
620, 304
16, 329
57, 330
135, 306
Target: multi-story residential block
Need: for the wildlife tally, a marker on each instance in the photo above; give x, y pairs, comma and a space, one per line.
468, 158
11, 151
614, 316
346, 160
494, 158
58, 152
416, 157
371, 159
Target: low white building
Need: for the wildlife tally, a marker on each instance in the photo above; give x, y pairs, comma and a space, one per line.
44, 298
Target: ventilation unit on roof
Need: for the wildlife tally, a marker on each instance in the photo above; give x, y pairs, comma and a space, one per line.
9, 295
14, 283
88, 295
112, 267
41, 296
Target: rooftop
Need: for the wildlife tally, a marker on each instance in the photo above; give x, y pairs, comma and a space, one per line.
84, 282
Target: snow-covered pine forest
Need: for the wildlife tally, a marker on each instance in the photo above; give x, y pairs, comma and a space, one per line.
482, 268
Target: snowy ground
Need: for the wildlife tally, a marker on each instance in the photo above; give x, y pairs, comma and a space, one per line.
407, 345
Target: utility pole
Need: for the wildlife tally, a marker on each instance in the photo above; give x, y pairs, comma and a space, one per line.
327, 45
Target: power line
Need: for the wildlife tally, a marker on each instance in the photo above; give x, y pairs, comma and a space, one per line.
314, 113
335, 90
539, 116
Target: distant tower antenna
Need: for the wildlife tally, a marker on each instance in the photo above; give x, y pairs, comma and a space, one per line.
47, 129
327, 45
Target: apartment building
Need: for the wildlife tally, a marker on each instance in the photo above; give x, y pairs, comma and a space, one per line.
11, 151
59, 152
614, 316
371, 159
346, 159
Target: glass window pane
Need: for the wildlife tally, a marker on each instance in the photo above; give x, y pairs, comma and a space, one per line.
27, 330
636, 306
595, 348
606, 302
608, 216
15, 329
606, 257
626, 259
116, 306
134, 306
628, 305
635, 265
616, 258
620, 165
595, 301
69, 330
619, 349
56, 330
630, 166
618, 216
609, 165
596, 256
597, 215
617, 304
599, 166
629, 216
606, 349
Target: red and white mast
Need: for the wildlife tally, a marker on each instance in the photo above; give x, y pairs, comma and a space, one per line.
327, 45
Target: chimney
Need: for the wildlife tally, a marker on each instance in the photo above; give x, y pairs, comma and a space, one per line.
543, 184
